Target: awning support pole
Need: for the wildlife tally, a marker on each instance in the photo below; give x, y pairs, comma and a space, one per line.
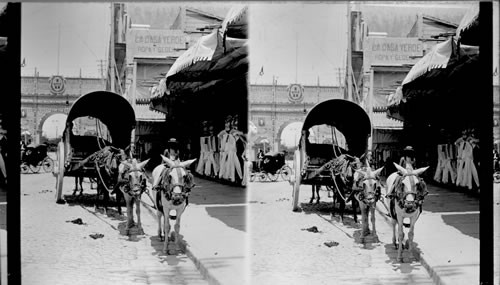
370, 109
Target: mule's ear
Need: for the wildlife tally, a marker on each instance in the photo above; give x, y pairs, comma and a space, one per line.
167, 160
126, 163
142, 164
420, 170
187, 163
358, 174
377, 172
401, 169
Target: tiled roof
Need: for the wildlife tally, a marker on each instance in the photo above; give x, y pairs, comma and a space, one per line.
381, 121
143, 113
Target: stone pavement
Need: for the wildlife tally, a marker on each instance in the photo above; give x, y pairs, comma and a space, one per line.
283, 253
54, 251
3, 256
496, 233
214, 231
3, 235
447, 236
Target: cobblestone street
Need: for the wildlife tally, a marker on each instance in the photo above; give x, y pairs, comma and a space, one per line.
55, 251
283, 253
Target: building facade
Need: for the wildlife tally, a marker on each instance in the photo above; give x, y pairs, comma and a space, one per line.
41, 98
273, 107
148, 40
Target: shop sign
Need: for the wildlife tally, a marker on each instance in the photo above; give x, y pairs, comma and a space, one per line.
155, 43
392, 51
295, 93
57, 84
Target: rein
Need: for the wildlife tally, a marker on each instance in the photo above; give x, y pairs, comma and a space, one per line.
100, 177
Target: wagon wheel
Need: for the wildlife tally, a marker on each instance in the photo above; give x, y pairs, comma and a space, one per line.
273, 176
24, 168
296, 185
48, 164
252, 177
35, 168
262, 176
286, 172
60, 172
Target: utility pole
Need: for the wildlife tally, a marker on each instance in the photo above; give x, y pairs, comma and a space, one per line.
370, 108
339, 75
58, 47
112, 49
35, 132
101, 67
348, 96
274, 110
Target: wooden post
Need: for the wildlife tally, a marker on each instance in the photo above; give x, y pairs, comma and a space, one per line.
349, 59
112, 50
133, 98
370, 109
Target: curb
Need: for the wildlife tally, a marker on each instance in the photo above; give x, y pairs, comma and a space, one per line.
417, 253
184, 247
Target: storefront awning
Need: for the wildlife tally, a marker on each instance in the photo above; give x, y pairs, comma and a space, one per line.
144, 114
235, 23
468, 30
381, 121
437, 57
441, 96
216, 60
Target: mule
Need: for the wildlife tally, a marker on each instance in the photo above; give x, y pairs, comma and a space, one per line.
132, 183
342, 170
172, 183
107, 177
405, 196
78, 181
367, 196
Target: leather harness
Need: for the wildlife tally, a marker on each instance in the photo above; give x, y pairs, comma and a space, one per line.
168, 189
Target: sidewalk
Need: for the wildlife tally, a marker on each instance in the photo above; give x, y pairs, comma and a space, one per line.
214, 232
447, 236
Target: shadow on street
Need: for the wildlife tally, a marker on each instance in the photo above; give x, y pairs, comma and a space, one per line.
232, 216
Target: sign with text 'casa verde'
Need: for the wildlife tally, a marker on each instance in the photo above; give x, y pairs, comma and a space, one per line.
391, 51
145, 43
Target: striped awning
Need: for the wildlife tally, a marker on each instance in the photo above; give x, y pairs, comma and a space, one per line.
437, 57
468, 31
144, 113
380, 121
235, 24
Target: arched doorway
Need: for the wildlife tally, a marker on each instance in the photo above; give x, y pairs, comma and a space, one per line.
52, 126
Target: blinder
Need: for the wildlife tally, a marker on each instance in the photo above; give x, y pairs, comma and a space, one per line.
129, 187
376, 195
404, 200
167, 189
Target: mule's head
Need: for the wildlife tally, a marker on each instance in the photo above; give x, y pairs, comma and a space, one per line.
370, 184
411, 189
177, 180
135, 175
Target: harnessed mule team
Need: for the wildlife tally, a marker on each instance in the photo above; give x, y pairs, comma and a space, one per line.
171, 183
404, 195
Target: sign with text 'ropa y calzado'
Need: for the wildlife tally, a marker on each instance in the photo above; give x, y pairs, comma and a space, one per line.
146, 43
391, 51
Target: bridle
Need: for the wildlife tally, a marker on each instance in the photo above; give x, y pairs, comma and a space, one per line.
129, 186
362, 197
168, 189
401, 196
